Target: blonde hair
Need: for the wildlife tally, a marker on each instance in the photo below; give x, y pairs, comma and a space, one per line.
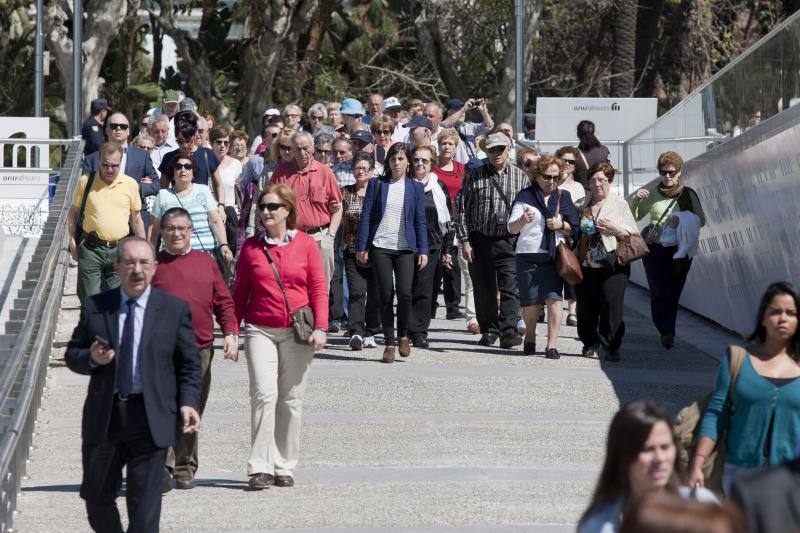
285, 193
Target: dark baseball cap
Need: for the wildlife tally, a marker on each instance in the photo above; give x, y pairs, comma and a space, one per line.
420, 122
455, 103
100, 103
363, 136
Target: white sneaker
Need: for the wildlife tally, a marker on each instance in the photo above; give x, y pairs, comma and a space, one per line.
521, 327
356, 342
369, 342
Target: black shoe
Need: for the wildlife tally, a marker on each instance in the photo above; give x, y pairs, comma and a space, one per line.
509, 341
420, 341
334, 326
542, 319
455, 315
529, 348
166, 481
613, 355
260, 481
284, 481
487, 339
589, 351
552, 353
356, 342
572, 320
668, 341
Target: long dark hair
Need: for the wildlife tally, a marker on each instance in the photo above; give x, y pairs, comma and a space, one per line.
627, 436
586, 137
760, 332
393, 150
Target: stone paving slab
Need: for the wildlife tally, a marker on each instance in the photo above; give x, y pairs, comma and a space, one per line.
456, 438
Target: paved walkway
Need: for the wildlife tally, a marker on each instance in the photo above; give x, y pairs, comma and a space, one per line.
456, 438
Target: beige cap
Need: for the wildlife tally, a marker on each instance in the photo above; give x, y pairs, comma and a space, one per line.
497, 139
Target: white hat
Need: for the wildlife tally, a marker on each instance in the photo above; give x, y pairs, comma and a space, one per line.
271, 112
392, 103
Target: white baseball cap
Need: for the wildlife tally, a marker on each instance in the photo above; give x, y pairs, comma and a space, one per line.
392, 103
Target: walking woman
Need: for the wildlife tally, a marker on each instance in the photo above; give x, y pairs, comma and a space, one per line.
665, 276
363, 309
590, 151
440, 245
640, 460
542, 215
229, 171
209, 230
278, 362
391, 233
764, 424
569, 156
605, 220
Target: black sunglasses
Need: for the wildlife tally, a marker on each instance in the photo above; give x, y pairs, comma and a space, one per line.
569, 161
284, 147
668, 173
116, 126
548, 177
272, 206
186, 166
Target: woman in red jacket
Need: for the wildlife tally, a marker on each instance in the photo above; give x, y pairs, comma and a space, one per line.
277, 363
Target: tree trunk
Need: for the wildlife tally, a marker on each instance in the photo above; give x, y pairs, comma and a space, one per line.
505, 104
311, 43
101, 22
647, 19
434, 48
623, 68
158, 47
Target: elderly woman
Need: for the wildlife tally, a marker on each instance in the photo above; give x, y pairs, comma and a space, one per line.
317, 114
440, 245
279, 272
391, 233
542, 215
323, 147
334, 116
666, 275
382, 127
239, 143
605, 220
229, 170
196, 198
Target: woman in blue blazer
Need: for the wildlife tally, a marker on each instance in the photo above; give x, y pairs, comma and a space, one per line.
391, 231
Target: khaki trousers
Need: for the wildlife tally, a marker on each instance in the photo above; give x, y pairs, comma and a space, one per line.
469, 294
278, 368
327, 249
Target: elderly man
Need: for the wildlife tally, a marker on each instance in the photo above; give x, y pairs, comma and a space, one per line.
92, 128
136, 162
194, 277
170, 107
105, 203
486, 200
137, 345
434, 113
266, 120
374, 107
456, 118
419, 132
342, 162
319, 199
292, 114
201, 138
158, 128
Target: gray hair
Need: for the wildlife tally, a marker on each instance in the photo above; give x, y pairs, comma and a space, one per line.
322, 139
290, 107
297, 135
319, 107
155, 119
127, 240
437, 106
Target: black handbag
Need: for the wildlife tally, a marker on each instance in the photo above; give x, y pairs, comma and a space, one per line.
651, 232
303, 318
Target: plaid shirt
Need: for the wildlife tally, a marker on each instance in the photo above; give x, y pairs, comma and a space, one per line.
480, 200
352, 205
344, 173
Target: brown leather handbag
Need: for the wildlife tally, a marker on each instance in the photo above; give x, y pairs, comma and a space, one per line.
630, 248
567, 264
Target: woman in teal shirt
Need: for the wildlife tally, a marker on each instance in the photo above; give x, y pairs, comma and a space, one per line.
764, 428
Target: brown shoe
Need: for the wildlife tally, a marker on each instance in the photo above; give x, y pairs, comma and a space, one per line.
184, 483
260, 481
388, 354
404, 347
284, 481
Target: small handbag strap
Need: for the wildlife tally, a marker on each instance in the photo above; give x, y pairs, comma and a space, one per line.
86, 191
499, 189
277, 276
583, 158
184, 208
667, 210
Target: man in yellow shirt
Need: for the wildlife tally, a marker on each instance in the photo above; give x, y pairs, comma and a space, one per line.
113, 202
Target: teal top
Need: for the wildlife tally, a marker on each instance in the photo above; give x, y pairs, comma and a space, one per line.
755, 402
655, 205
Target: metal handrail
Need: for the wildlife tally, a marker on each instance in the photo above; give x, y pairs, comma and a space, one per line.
26, 366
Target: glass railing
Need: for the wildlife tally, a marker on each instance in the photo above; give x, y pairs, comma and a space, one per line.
760, 83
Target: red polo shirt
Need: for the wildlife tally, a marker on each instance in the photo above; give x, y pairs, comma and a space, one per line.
314, 187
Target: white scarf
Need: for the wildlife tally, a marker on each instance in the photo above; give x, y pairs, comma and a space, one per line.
439, 198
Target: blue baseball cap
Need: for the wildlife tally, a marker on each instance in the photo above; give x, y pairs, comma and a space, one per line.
363, 136
455, 103
420, 122
351, 106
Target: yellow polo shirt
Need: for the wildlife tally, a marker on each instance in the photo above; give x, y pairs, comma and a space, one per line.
108, 207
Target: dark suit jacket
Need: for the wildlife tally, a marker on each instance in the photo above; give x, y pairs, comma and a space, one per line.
771, 500
137, 165
169, 361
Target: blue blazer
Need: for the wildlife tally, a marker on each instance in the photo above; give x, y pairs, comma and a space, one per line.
413, 208
137, 165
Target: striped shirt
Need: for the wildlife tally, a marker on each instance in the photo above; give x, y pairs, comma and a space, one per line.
344, 173
480, 200
199, 203
391, 232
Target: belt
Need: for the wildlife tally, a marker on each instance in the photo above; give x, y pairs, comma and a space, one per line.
317, 229
129, 398
93, 241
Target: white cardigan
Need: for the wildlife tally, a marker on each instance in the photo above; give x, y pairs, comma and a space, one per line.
616, 210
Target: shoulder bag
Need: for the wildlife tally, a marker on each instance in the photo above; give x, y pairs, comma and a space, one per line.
500, 218
567, 264
630, 248
303, 318
79, 221
687, 427
651, 232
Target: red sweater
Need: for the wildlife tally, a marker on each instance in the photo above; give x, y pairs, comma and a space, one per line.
196, 278
453, 179
256, 294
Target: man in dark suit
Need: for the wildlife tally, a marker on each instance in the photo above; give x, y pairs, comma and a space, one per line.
137, 344
136, 162
770, 500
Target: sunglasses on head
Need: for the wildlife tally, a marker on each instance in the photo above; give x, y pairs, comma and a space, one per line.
271, 206
116, 126
184, 166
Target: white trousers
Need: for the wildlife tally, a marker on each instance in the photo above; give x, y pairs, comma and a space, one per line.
278, 368
469, 295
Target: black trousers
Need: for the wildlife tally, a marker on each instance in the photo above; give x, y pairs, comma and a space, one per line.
601, 299
423, 293
666, 278
401, 264
336, 295
128, 444
494, 268
364, 305
450, 280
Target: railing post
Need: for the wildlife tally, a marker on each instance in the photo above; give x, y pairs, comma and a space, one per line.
626, 172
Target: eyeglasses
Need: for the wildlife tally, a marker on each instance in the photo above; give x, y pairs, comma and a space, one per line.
284, 147
270, 206
599, 181
177, 229
323, 152
385, 132
116, 126
109, 166
291, 115
421, 160
528, 163
668, 173
223, 143
238, 146
317, 117
568, 161
184, 166
361, 170
549, 177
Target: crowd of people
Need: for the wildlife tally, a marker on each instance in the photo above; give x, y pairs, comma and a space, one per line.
357, 220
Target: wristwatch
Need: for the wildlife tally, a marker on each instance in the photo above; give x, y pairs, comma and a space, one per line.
234, 335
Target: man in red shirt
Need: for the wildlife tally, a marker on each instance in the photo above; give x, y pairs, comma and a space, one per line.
319, 211
195, 277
